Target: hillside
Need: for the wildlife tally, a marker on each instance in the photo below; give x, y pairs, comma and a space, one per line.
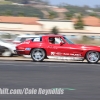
25, 1
14, 10
84, 10
43, 9
32, 8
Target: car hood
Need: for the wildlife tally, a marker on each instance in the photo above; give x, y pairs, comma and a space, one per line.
80, 46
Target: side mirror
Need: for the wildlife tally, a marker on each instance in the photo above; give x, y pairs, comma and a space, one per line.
61, 43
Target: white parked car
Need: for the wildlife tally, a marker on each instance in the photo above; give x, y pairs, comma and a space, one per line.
9, 48
22, 38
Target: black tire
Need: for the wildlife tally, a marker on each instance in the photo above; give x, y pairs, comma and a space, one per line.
93, 57
7, 53
38, 55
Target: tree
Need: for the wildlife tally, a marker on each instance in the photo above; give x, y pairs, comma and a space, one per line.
51, 15
93, 14
21, 14
35, 15
8, 13
55, 30
69, 15
6, 36
79, 24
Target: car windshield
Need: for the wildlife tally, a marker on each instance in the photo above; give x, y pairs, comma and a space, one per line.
17, 39
70, 42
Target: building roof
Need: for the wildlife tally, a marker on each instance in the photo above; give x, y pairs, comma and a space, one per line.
90, 21
19, 20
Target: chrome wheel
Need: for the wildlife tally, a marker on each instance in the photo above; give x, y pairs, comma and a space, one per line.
38, 55
93, 57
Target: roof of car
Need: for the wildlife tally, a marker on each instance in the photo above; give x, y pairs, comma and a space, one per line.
29, 36
51, 35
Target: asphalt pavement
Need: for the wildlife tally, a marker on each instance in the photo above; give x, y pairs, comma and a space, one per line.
80, 80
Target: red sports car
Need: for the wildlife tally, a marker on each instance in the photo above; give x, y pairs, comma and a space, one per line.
58, 47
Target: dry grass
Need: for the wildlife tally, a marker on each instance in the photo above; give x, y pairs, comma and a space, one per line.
88, 42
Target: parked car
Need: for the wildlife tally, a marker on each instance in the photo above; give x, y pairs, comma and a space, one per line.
58, 47
9, 48
22, 38
2, 49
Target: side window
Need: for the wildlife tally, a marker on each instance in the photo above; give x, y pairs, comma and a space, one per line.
55, 40
51, 40
29, 38
37, 39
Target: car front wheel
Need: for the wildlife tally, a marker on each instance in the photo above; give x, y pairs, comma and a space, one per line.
93, 57
38, 55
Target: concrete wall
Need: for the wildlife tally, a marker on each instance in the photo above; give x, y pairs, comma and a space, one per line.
47, 25
20, 27
61, 25
92, 29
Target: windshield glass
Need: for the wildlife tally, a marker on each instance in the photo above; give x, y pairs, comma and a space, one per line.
70, 42
17, 39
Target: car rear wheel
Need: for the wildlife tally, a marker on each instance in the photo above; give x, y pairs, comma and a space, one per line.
38, 55
93, 57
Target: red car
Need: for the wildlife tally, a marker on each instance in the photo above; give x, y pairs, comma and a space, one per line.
58, 47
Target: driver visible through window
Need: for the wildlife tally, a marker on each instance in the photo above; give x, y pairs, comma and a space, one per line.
55, 40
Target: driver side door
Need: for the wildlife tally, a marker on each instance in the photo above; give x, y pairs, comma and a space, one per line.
58, 49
